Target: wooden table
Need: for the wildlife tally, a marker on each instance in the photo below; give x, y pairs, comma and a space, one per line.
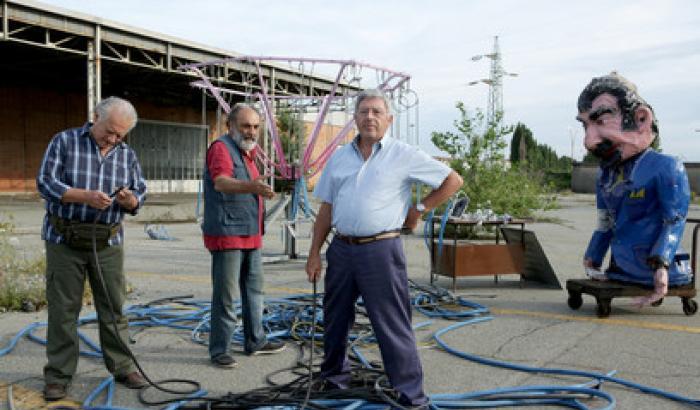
469, 258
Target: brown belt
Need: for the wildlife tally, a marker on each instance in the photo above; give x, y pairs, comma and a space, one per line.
361, 240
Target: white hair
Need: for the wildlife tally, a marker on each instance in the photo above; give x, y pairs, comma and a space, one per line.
110, 105
372, 93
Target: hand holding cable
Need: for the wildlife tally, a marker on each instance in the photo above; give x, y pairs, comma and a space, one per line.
314, 267
97, 199
125, 198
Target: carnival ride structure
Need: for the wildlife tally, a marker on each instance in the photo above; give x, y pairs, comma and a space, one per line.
304, 101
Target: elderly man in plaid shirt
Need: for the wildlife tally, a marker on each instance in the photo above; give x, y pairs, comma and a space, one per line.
89, 178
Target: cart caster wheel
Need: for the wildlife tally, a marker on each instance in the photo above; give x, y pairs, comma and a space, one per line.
575, 300
658, 302
690, 307
603, 309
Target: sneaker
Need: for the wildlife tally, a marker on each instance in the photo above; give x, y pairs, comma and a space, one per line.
54, 391
270, 347
224, 360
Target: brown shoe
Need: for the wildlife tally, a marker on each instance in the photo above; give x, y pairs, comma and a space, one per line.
54, 391
133, 380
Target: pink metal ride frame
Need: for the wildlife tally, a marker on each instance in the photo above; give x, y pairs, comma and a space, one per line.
392, 80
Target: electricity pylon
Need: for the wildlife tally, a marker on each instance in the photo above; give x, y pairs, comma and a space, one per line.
495, 81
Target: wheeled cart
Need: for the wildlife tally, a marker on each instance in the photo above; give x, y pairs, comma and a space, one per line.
605, 291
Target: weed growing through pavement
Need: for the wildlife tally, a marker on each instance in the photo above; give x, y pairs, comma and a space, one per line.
22, 279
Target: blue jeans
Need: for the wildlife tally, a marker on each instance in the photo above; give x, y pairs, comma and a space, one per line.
228, 268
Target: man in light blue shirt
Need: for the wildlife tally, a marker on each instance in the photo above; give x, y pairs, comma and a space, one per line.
365, 191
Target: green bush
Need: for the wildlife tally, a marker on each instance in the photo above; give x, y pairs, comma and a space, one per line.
23, 279
476, 151
558, 180
510, 192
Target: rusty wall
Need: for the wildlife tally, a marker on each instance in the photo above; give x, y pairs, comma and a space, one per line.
186, 115
328, 132
29, 117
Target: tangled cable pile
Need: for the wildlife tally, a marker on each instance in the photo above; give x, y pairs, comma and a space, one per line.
299, 318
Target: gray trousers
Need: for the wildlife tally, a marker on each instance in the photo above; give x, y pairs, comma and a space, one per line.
66, 270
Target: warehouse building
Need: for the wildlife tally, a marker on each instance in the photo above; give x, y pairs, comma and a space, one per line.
56, 64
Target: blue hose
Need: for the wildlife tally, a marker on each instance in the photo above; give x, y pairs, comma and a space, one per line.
13, 342
282, 312
107, 383
541, 370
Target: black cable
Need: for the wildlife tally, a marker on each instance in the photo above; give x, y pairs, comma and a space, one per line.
313, 346
362, 386
158, 385
302, 391
165, 300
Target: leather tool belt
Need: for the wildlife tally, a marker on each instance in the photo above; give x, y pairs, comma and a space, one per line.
78, 235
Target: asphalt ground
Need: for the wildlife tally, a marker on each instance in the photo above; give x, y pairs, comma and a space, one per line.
532, 325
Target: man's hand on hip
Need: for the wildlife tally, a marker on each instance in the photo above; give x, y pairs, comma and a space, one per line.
412, 218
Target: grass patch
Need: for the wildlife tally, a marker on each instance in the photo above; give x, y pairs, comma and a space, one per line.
22, 279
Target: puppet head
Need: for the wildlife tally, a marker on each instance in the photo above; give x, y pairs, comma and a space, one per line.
618, 123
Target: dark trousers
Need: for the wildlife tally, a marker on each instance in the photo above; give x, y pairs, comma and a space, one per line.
377, 272
66, 270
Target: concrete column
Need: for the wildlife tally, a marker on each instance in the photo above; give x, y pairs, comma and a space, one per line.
94, 73
169, 58
91, 101
5, 22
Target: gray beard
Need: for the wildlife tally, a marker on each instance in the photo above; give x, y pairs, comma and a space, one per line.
242, 143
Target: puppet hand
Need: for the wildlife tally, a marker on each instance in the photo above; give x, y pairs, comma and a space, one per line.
660, 289
593, 272
596, 274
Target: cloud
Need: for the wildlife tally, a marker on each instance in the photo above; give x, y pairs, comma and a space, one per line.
555, 47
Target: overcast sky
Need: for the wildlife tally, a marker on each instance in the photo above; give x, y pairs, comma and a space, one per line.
555, 47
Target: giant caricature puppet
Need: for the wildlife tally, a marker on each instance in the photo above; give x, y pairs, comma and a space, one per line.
642, 195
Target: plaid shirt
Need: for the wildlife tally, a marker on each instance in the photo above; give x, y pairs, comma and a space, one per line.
73, 160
